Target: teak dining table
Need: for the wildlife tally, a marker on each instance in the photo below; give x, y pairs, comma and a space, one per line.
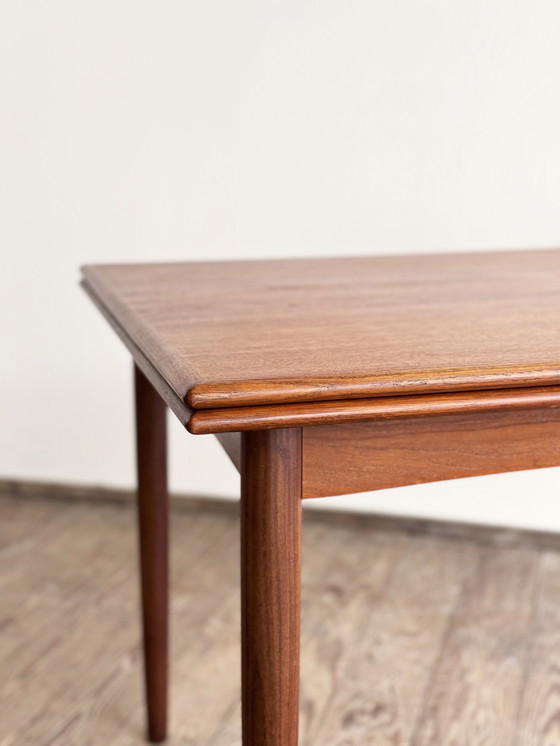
325, 377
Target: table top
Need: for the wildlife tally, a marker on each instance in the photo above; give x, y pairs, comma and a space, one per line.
254, 333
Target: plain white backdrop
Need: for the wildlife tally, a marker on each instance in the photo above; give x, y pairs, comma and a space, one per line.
138, 131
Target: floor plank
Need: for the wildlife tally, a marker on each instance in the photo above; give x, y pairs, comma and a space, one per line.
407, 639
376, 645
473, 698
539, 714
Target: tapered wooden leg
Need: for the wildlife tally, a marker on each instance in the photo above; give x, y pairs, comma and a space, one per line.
271, 489
153, 529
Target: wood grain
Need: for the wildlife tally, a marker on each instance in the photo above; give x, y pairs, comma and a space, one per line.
178, 407
381, 642
399, 631
270, 586
363, 456
239, 418
478, 680
226, 334
538, 722
153, 508
369, 455
358, 410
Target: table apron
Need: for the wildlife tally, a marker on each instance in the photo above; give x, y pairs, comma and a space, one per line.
361, 456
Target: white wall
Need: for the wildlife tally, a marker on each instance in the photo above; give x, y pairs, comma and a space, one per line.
133, 130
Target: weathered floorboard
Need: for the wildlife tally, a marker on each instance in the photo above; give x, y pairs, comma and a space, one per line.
406, 639
474, 695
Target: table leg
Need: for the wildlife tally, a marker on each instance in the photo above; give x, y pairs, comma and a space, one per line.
271, 488
151, 449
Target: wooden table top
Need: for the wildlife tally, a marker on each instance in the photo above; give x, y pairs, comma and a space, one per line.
261, 333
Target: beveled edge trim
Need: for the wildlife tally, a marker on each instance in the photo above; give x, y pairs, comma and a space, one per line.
189, 384
352, 410
275, 391
174, 402
180, 375
265, 417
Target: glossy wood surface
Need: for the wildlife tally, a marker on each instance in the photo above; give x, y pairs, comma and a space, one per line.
151, 449
271, 480
235, 419
362, 456
178, 407
381, 409
228, 334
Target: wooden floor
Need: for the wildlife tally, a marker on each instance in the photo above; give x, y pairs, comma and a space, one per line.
408, 638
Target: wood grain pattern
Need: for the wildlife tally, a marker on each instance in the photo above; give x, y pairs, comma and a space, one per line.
153, 507
70, 643
405, 639
379, 454
333, 610
358, 410
234, 419
226, 334
379, 673
538, 721
363, 456
178, 407
270, 586
475, 692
